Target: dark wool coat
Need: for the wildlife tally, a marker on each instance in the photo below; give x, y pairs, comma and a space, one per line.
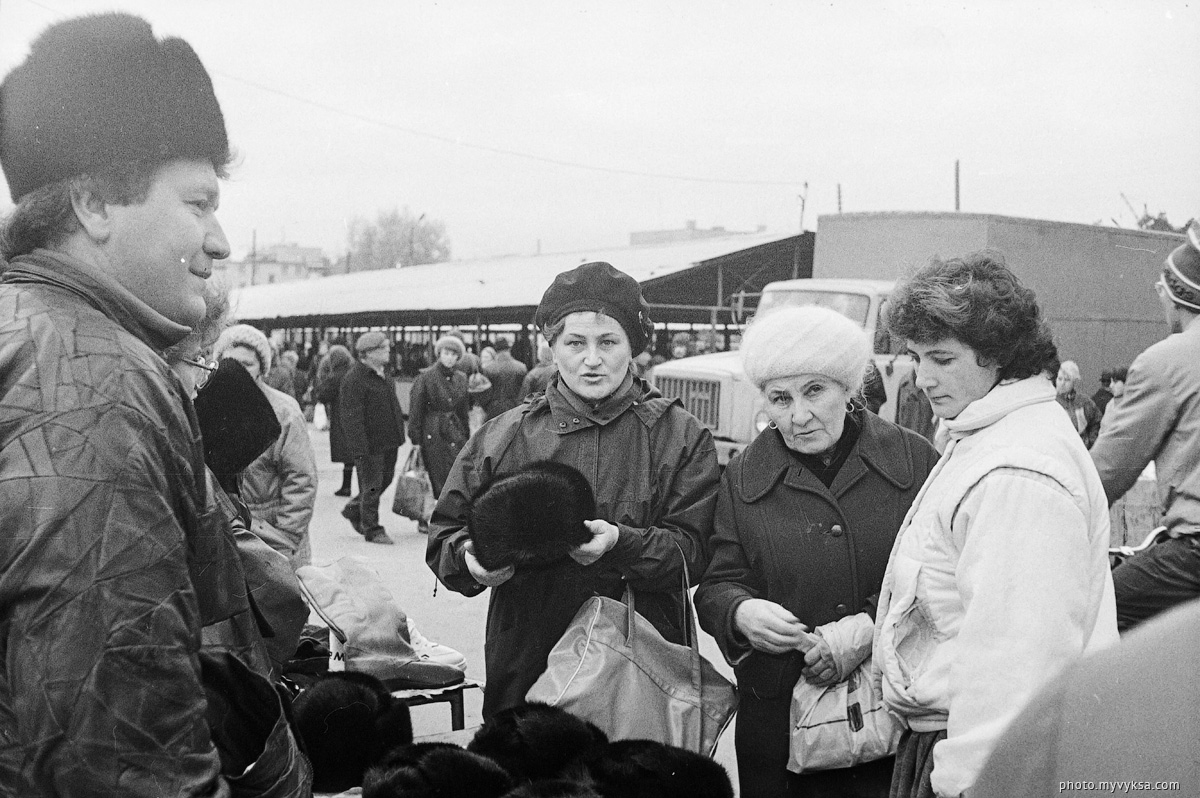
437, 419
654, 472
327, 394
506, 375
371, 416
781, 535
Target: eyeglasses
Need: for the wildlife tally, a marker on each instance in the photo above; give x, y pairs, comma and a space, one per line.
207, 367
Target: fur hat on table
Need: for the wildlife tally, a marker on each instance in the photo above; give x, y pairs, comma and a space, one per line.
537, 741
531, 517
101, 90
435, 770
249, 337
805, 340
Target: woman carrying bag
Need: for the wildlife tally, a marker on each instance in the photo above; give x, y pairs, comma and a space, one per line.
438, 406
805, 520
651, 466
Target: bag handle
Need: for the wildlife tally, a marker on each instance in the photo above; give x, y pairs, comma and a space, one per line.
690, 630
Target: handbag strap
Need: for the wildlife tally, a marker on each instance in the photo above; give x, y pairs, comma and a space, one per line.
690, 630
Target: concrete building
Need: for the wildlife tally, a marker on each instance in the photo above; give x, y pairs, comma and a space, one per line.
277, 263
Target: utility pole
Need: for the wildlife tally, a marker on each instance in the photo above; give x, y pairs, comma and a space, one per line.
839, 197
253, 257
957, 206
799, 238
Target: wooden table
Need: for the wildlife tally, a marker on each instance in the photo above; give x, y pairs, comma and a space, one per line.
452, 695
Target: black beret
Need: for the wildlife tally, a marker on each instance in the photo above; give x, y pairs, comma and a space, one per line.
531, 517
599, 287
101, 90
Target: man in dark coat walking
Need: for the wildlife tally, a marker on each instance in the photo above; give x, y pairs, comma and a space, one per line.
506, 374
373, 424
112, 143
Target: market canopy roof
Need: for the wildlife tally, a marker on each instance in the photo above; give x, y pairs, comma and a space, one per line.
508, 289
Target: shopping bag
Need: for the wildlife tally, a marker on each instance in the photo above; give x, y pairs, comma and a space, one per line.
613, 668
320, 417
841, 725
414, 493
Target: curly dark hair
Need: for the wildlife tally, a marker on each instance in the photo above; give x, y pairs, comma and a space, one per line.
977, 300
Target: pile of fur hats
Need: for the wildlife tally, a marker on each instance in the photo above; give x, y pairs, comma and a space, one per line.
532, 517
354, 732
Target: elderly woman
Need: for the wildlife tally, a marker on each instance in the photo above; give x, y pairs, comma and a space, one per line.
280, 487
438, 406
999, 577
651, 465
805, 520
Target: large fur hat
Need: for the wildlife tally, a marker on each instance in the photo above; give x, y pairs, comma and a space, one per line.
531, 517
537, 741
237, 422
101, 90
806, 340
1181, 272
249, 337
348, 721
647, 767
435, 770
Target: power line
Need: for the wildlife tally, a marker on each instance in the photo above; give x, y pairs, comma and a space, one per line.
501, 150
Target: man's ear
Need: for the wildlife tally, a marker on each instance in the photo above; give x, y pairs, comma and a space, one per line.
91, 210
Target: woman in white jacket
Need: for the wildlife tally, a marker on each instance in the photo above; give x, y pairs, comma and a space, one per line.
999, 575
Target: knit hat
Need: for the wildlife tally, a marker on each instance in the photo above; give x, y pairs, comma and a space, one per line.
101, 90
531, 517
368, 341
478, 383
598, 287
449, 342
805, 340
249, 337
1181, 272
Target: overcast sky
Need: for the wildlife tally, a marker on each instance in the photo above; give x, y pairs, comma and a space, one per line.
572, 124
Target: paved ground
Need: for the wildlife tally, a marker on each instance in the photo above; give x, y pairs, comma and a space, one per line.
440, 614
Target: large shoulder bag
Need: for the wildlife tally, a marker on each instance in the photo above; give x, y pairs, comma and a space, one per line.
614, 669
841, 725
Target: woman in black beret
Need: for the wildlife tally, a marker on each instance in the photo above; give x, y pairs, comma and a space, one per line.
652, 469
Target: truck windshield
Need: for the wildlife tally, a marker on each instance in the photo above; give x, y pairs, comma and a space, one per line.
852, 306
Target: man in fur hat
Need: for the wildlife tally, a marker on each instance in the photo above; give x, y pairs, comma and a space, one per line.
1157, 419
112, 143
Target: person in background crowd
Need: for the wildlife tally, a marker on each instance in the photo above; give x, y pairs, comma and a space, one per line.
469, 363
280, 487
851, 476
540, 375
1084, 415
1157, 419
999, 577
1116, 389
652, 467
333, 367
487, 356
374, 427
681, 345
299, 375
437, 413
282, 376
872, 392
112, 143
506, 375
1104, 393
913, 410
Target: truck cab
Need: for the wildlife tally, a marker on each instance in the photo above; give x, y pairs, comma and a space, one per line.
715, 390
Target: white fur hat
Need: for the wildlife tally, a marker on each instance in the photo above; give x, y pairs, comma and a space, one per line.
249, 337
805, 340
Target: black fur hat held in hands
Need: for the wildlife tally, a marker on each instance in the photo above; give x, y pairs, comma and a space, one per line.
102, 90
237, 422
531, 517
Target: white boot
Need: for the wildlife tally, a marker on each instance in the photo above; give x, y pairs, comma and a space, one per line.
435, 652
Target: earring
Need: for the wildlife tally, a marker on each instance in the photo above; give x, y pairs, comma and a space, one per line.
772, 425
850, 406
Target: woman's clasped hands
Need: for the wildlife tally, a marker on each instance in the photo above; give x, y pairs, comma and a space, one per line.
771, 628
